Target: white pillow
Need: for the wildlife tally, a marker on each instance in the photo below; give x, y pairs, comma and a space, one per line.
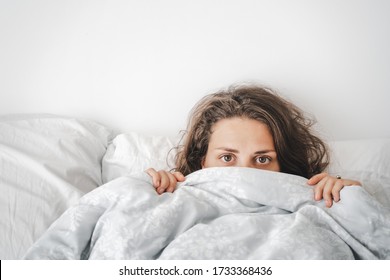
366, 160
134, 152
46, 164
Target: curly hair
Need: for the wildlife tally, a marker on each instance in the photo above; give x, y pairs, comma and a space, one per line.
299, 151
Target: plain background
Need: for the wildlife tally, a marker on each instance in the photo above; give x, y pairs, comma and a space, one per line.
142, 65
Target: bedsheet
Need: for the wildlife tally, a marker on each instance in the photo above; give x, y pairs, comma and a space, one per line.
218, 213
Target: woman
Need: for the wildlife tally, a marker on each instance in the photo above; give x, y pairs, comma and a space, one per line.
251, 126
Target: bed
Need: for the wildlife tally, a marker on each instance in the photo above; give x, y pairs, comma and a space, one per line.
118, 80
67, 185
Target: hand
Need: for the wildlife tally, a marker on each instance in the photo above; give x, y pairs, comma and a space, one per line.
328, 187
165, 181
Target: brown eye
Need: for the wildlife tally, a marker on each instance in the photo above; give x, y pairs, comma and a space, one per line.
263, 160
227, 158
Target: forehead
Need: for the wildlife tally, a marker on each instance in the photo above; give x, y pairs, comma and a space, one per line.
241, 131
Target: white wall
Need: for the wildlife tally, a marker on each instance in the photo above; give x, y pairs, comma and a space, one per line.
119, 62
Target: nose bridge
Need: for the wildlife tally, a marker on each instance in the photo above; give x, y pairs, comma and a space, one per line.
245, 162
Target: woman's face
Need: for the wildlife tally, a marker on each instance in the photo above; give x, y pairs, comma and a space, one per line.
241, 142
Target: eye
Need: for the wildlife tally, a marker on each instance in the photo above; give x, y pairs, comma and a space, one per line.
227, 158
263, 160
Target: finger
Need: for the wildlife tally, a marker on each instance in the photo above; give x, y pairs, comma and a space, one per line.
156, 179
327, 192
164, 182
179, 176
317, 178
318, 189
339, 185
172, 183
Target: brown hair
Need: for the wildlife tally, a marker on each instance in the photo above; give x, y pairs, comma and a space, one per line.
299, 151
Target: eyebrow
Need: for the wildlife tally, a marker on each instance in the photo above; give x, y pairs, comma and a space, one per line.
236, 151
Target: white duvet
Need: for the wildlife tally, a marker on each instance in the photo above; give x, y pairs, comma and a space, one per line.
218, 213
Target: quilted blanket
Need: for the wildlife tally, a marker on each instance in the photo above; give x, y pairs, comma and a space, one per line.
218, 213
